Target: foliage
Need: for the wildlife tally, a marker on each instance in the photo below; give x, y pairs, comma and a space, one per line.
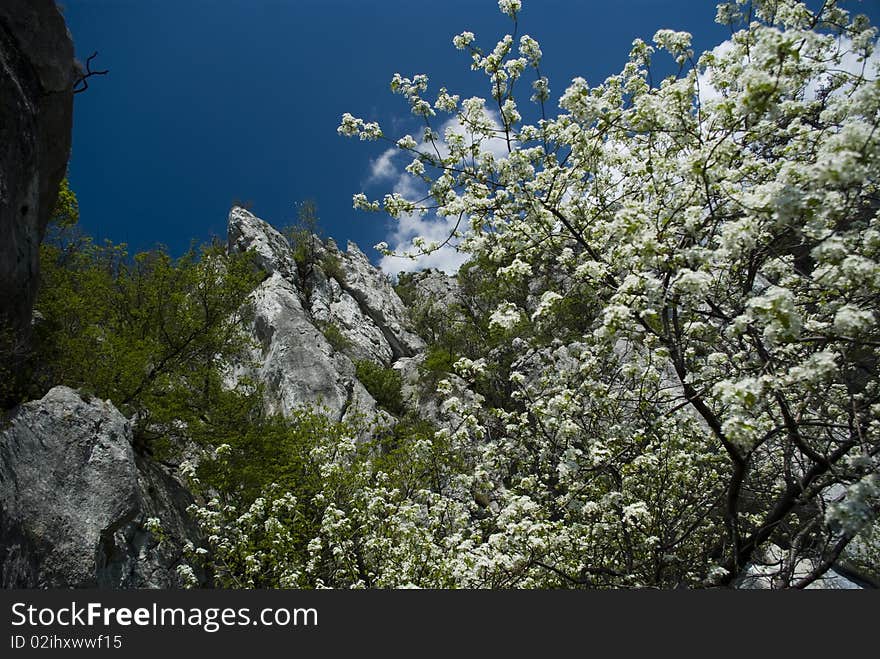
332, 516
66, 211
269, 454
439, 360
384, 384
148, 332
308, 252
667, 328
332, 266
337, 340
302, 236
405, 287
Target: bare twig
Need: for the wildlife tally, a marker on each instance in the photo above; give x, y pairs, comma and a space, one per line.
82, 82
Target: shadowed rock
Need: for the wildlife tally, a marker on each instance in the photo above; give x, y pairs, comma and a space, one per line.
37, 73
74, 501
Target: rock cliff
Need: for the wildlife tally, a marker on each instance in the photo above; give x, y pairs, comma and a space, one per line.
76, 500
313, 321
37, 73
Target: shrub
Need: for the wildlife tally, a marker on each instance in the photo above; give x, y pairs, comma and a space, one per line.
148, 332
384, 384
337, 340
332, 267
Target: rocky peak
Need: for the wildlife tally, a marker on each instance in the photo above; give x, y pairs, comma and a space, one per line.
245, 231
435, 287
313, 321
295, 361
375, 295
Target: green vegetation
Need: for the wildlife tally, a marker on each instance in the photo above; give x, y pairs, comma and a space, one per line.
305, 242
66, 212
303, 237
384, 384
438, 361
337, 340
295, 502
668, 320
148, 332
666, 340
332, 267
269, 450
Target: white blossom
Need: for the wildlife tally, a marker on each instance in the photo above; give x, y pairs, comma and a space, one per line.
505, 316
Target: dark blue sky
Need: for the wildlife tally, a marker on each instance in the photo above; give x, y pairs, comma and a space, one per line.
209, 101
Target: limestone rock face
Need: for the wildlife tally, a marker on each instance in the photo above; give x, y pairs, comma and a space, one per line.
295, 361
273, 254
436, 287
332, 306
313, 321
37, 73
74, 501
379, 302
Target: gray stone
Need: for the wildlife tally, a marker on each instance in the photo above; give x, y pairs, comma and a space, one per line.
294, 361
37, 73
358, 300
435, 287
379, 302
331, 305
245, 231
74, 500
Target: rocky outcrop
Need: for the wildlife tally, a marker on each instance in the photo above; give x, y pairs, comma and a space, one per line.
294, 360
271, 250
332, 306
74, 501
37, 73
378, 301
313, 321
437, 288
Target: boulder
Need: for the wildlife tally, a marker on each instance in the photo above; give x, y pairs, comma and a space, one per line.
75, 501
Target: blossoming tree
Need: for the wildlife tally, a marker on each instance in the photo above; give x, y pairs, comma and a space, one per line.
717, 408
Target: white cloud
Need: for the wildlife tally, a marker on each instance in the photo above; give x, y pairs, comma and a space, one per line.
849, 63
383, 168
497, 146
430, 226
708, 92
447, 259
